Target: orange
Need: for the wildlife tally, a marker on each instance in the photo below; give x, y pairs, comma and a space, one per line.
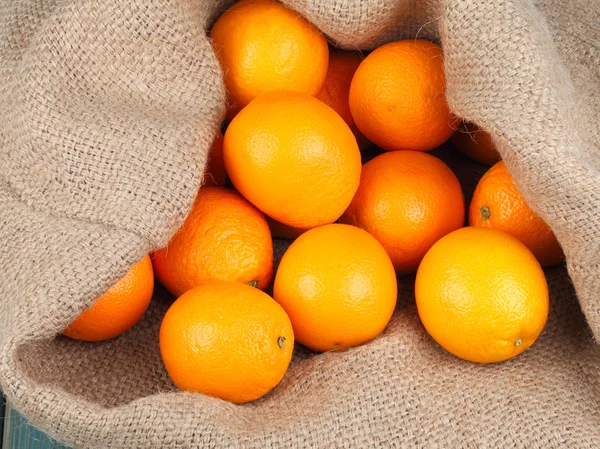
226, 340
482, 295
497, 203
282, 231
224, 237
338, 286
398, 97
294, 158
263, 46
336, 88
117, 310
214, 174
476, 144
407, 200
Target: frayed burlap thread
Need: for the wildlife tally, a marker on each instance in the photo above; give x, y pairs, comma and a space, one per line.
107, 111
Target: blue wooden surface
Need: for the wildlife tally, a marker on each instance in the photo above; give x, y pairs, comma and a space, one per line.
1, 420
19, 434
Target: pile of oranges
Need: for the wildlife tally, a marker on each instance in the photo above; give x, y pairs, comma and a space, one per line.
289, 165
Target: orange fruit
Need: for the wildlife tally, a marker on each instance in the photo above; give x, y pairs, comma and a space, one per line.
263, 46
117, 310
282, 231
482, 295
294, 158
336, 88
497, 203
224, 237
214, 174
476, 144
338, 286
407, 200
226, 340
398, 97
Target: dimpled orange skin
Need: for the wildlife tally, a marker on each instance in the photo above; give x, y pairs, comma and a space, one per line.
407, 200
497, 203
214, 174
226, 340
475, 144
294, 158
337, 285
398, 97
263, 46
119, 309
336, 88
224, 237
482, 295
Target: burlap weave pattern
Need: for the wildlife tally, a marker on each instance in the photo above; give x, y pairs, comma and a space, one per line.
107, 110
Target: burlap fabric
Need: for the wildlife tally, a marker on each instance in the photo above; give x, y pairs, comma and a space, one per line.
107, 109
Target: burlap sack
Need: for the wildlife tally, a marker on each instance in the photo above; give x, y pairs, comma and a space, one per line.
107, 109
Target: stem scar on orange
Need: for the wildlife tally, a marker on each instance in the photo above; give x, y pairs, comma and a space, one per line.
226, 340
337, 285
224, 237
482, 295
497, 203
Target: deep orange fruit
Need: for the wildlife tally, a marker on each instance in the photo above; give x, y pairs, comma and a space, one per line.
497, 203
407, 200
336, 88
476, 144
227, 340
398, 97
337, 285
224, 237
282, 231
117, 310
264, 46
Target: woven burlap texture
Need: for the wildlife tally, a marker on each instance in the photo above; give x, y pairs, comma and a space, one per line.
107, 109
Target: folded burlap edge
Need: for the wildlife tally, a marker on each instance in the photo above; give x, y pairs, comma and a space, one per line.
41, 403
